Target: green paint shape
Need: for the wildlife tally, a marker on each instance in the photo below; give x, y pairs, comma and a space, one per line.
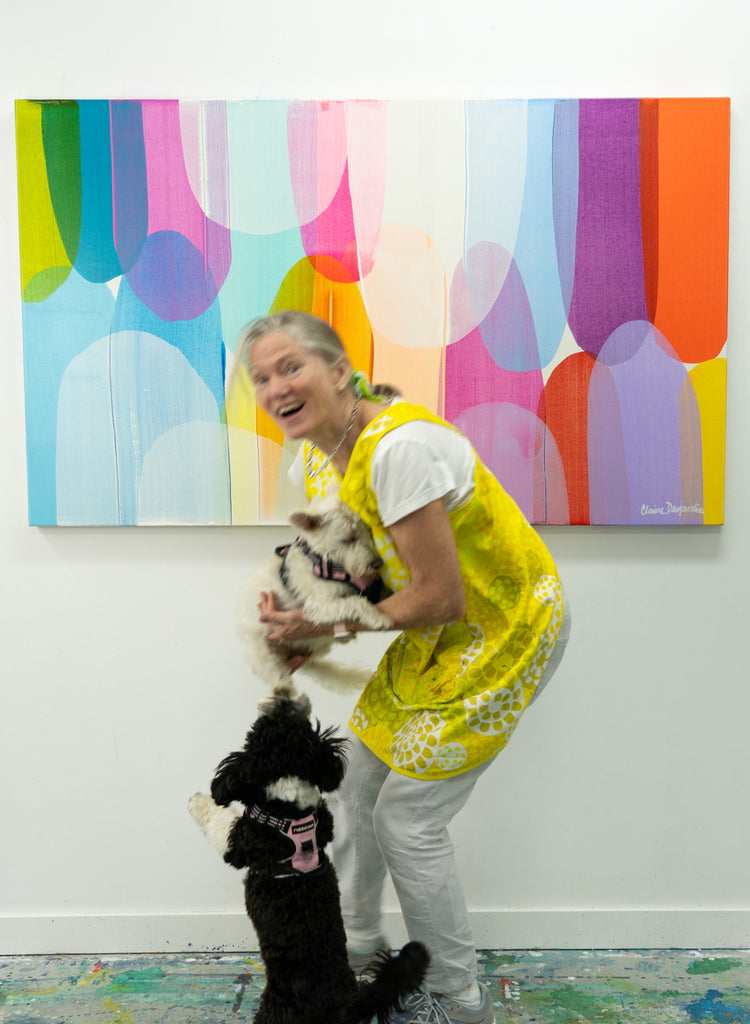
296, 291
715, 965
573, 1004
137, 980
501, 960
62, 152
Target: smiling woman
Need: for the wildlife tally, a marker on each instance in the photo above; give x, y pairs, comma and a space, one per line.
479, 601
297, 389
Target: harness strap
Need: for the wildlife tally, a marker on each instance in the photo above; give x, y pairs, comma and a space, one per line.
303, 834
327, 569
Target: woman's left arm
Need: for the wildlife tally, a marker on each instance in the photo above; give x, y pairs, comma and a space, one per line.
426, 545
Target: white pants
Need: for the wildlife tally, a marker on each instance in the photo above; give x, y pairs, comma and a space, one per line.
386, 821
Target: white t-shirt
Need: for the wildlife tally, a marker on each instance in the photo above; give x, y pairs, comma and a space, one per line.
414, 464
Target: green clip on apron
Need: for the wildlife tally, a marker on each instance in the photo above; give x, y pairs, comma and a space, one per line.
447, 699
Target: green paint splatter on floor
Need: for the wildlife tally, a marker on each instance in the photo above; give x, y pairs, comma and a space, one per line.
527, 987
714, 965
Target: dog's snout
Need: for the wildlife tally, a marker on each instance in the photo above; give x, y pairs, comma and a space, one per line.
376, 564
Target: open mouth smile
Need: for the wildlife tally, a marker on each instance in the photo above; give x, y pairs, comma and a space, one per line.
289, 410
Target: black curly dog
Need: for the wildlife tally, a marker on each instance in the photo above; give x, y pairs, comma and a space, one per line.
291, 889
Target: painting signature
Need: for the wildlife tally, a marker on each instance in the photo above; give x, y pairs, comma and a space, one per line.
669, 509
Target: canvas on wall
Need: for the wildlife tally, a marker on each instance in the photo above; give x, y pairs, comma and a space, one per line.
548, 275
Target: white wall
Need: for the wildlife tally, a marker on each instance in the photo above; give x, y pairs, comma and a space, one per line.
619, 814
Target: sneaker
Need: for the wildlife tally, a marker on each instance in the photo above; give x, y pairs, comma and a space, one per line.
433, 1008
359, 962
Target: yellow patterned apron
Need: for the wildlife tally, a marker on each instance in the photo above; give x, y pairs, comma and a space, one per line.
447, 699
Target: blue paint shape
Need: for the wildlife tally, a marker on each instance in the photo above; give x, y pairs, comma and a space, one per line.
130, 181
97, 258
713, 1008
199, 339
54, 333
535, 253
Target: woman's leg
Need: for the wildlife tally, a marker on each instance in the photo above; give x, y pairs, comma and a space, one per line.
356, 854
410, 824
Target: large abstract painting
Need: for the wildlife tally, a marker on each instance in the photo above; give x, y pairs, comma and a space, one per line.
548, 275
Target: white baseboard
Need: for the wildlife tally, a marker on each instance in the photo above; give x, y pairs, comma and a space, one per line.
502, 929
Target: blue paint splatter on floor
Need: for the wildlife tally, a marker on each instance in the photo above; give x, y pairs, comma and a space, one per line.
713, 1008
528, 987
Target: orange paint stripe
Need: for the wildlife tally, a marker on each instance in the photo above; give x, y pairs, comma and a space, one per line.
693, 232
564, 408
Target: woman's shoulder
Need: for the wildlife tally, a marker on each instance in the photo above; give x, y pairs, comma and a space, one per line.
418, 462
431, 433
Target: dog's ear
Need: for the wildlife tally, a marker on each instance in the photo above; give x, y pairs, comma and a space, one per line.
331, 761
235, 780
307, 521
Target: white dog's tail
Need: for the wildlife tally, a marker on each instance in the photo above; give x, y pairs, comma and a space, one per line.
332, 675
285, 691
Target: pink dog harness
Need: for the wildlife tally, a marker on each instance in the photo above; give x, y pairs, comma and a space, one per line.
368, 586
303, 834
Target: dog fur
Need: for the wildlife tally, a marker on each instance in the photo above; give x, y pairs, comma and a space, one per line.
332, 532
287, 763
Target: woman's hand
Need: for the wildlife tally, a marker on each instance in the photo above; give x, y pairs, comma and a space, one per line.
284, 626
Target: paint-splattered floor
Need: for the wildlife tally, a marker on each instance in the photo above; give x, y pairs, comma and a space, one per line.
543, 987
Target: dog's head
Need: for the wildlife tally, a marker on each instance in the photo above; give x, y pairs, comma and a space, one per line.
286, 759
330, 528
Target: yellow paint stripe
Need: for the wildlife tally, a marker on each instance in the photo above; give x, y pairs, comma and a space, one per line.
710, 384
44, 262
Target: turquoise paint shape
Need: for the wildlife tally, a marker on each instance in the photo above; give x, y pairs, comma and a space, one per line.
253, 282
55, 332
97, 258
259, 166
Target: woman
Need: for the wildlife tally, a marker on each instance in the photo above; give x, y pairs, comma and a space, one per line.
479, 603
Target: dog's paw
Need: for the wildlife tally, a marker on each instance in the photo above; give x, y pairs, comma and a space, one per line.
369, 615
215, 822
200, 806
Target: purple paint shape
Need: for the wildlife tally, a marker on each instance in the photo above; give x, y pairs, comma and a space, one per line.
508, 330
172, 278
473, 378
644, 434
609, 501
512, 443
609, 288
487, 290
551, 506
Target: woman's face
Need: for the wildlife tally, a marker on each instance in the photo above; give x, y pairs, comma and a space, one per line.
300, 392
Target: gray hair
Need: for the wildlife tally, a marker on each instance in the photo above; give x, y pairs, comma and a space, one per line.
318, 337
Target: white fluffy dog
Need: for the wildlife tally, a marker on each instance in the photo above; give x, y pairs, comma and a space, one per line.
331, 571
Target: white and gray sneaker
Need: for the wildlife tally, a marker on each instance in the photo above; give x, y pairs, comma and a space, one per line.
433, 1008
359, 962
